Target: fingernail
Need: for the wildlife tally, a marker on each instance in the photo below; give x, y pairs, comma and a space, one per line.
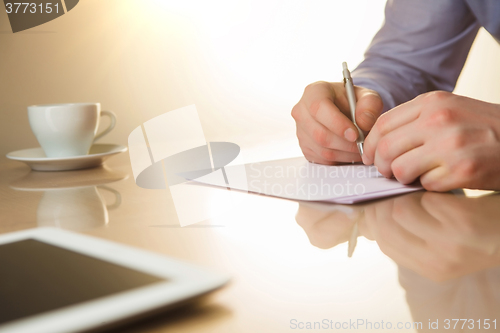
350, 135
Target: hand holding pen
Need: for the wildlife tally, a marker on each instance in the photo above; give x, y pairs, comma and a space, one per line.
326, 133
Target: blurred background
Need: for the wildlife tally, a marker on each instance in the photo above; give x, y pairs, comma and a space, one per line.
243, 63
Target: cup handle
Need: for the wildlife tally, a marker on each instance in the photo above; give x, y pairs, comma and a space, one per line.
112, 118
118, 197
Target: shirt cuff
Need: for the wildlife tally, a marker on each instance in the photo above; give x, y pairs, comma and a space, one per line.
387, 98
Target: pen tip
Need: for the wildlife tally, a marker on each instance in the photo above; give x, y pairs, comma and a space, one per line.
344, 65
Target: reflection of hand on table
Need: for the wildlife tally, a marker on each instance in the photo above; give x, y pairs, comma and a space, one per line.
326, 225
439, 236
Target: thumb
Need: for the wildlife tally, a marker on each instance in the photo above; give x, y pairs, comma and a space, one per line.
369, 107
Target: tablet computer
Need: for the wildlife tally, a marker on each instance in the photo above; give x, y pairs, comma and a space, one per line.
58, 281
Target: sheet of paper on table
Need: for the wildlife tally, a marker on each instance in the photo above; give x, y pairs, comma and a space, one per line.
297, 179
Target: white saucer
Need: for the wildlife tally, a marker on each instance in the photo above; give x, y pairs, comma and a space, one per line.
36, 159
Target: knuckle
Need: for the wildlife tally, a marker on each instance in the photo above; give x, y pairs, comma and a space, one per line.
366, 120
308, 88
383, 170
455, 256
298, 133
312, 87
484, 135
328, 154
296, 113
314, 108
447, 268
375, 100
398, 171
442, 117
428, 184
320, 136
318, 105
458, 140
436, 96
309, 157
399, 212
384, 149
467, 168
382, 124
470, 228
307, 154
303, 139
489, 135
434, 185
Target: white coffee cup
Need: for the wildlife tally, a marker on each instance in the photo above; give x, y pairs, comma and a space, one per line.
65, 130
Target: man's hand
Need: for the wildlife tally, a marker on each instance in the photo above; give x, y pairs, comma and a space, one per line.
449, 141
325, 132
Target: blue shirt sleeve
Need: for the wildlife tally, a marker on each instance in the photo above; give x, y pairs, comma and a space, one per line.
422, 46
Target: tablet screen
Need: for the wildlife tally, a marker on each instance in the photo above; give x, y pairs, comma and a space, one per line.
36, 277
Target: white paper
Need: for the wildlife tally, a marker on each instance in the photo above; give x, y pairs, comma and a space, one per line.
297, 179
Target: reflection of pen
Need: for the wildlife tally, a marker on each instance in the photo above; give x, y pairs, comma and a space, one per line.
353, 240
351, 97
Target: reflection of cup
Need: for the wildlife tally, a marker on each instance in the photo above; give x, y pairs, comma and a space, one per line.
65, 130
75, 208
71, 199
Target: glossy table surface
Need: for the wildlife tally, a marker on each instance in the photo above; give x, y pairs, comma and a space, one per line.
421, 257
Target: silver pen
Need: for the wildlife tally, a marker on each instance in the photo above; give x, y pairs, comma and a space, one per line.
351, 97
